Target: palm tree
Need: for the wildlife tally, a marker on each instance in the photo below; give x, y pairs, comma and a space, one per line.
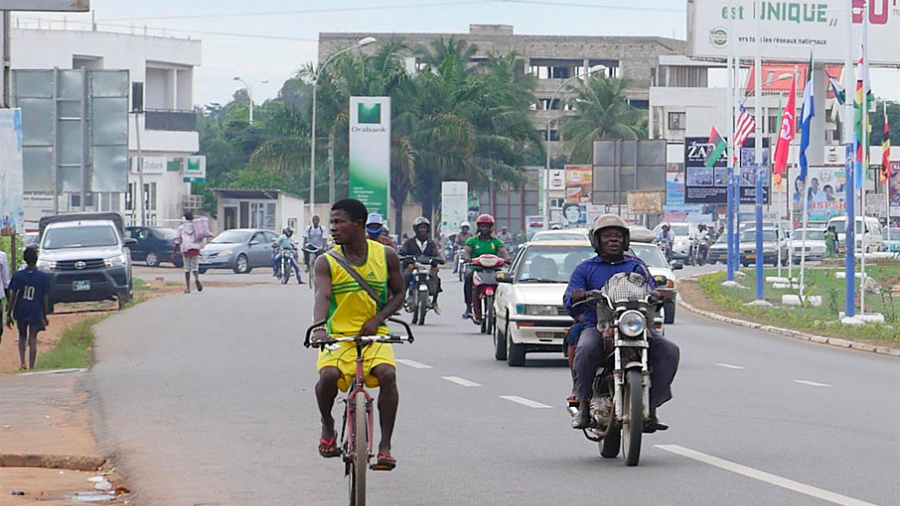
602, 113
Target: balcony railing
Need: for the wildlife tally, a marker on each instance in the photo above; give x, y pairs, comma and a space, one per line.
170, 120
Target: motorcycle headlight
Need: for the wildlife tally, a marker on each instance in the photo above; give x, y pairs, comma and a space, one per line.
632, 323
116, 261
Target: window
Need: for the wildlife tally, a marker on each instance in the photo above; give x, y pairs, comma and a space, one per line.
150, 196
554, 135
676, 120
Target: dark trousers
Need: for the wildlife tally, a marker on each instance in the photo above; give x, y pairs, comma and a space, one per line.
467, 287
663, 359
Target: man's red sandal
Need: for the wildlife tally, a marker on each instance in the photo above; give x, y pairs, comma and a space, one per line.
384, 462
328, 448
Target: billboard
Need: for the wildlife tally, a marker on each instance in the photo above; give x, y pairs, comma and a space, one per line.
621, 166
825, 192
454, 205
370, 152
579, 184
708, 185
11, 188
789, 29
895, 189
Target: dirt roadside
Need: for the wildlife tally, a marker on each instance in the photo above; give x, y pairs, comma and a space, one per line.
47, 450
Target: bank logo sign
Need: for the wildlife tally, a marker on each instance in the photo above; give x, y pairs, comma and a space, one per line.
369, 114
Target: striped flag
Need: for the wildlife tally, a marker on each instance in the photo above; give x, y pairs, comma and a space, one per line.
745, 126
807, 111
718, 147
836, 88
886, 151
860, 105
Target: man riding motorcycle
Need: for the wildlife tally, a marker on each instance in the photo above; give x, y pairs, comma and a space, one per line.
666, 240
421, 245
482, 244
700, 239
281, 244
459, 243
610, 238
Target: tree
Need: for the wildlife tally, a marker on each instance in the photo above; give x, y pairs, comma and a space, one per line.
602, 112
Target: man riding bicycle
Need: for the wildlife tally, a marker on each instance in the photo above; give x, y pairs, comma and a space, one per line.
349, 310
282, 244
422, 245
313, 236
482, 244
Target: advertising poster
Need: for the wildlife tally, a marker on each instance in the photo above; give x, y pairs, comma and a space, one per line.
370, 152
574, 215
825, 192
579, 184
11, 177
895, 189
454, 205
708, 185
675, 188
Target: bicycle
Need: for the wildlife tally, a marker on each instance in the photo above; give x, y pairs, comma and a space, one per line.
356, 432
314, 253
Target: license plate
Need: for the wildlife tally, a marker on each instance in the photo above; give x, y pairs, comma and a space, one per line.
81, 286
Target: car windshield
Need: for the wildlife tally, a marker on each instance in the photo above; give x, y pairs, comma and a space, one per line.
840, 226
680, 229
88, 236
166, 233
892, 234
723, 239
231, 237
750, 236
650, 254
809, 235
551, 264
558, 236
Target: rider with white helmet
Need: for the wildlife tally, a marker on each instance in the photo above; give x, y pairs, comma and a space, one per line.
421, 244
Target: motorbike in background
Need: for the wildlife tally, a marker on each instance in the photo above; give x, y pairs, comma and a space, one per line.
626, 308
421, 290
699, 251
286, 255
484, 286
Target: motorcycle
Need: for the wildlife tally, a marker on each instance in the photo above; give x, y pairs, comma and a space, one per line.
460, 264
286, 256
421, 290
699, 250
665, 248
626, 307
484, 285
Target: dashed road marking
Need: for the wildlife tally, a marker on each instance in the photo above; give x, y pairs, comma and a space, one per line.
812, 383
764, 477
413, 364
730, 366
460, 381
525, 402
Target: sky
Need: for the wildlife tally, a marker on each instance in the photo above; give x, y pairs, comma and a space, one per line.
269, 40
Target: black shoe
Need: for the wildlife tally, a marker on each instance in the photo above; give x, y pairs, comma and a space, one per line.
653, 424
582, 419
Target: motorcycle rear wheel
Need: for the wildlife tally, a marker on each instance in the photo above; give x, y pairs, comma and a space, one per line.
633, 426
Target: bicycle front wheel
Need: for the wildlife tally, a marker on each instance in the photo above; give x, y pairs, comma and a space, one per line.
360, 452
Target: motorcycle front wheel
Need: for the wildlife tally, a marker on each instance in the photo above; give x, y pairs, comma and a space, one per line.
421, 307
489, 320
285, 272
633, 426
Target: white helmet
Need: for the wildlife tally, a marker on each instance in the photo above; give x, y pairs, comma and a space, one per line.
465, 224
608, 221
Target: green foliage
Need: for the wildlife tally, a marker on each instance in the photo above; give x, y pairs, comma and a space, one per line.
6, 247
73, 349
602, 112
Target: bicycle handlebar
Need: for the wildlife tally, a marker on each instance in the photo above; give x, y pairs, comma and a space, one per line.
409, 338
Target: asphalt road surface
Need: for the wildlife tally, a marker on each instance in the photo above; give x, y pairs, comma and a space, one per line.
207, 399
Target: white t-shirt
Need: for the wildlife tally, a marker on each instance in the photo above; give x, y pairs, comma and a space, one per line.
315, 236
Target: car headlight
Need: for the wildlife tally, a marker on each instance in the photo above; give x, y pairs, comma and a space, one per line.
116, 261
632, 323
46, 265
537, 310
225, 253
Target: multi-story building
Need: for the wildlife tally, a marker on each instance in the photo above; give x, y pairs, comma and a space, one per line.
161, 73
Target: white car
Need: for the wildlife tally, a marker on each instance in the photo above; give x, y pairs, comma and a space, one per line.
662, 274
530, 316
810, 239
569, 234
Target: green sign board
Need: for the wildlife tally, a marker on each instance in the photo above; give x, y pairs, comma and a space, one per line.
370, 152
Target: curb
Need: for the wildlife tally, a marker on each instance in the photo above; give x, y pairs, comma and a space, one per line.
70, 462
830, 341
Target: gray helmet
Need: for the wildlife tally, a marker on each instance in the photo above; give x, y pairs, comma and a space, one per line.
608, 221
421, 220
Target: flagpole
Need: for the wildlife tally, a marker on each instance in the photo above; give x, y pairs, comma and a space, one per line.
886, 169
865, 175
849, 176
757, 75
731, 146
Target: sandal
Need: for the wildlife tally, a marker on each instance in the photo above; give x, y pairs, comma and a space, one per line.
384, 462
328, 448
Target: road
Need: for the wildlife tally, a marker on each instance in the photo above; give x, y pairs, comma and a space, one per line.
208, 399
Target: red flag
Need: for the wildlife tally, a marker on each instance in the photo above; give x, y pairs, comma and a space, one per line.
886, 151
785, 134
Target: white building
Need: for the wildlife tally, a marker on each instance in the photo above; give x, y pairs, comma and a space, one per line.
163, 68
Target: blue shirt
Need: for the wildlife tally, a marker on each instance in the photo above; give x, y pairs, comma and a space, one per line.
592, 274
30, 286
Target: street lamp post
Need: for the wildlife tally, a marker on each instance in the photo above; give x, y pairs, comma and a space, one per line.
249, 93
547, 107
312, 132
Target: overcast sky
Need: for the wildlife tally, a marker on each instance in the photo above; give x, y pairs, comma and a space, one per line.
271, 39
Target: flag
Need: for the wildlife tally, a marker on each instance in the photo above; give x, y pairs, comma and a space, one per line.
836, 88
785, 134
718, 147
886, 151
807, 111
860, 105
745, 126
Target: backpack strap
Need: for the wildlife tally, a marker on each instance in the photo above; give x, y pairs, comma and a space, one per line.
355, 275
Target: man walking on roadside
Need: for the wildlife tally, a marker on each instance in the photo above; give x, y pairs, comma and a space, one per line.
29, 301
4, 283
191, 242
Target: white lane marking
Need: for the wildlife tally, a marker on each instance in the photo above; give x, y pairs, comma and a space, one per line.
460, 381
812, 383
729, 366
525, 402
413, 363
765, 477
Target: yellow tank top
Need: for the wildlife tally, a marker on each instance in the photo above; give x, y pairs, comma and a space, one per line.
351, 306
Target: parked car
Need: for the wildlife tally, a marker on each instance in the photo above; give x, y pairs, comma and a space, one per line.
662, 274
771, 246
530, 316
891, 238
154, 245
718, 251
87, 257
238, 249
808, 241
569, 234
